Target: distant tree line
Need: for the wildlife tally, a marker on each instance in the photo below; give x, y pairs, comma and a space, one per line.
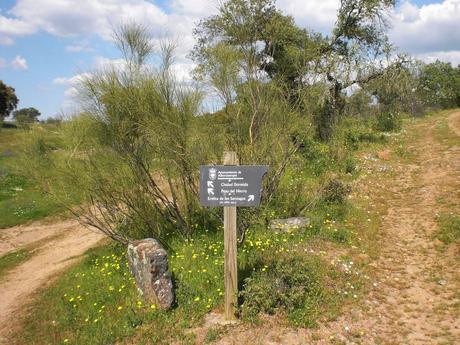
22, 117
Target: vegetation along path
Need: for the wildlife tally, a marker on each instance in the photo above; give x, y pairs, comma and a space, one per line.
417, 300
58, 246
415, 297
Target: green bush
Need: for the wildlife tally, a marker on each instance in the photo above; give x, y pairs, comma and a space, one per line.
316, 155
294, 285
335, 191
350, 165
135, 150
388, 121
354, 136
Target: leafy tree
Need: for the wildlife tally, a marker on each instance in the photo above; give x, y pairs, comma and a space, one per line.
357, 52
272, 46
26, 115
8, 100
397, 89
440, 84
266, 40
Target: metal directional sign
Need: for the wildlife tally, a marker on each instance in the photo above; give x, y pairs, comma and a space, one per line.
228, 185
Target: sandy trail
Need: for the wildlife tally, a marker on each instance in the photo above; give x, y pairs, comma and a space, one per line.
17, 287
22, 235
454, 123
416, 294
416, 301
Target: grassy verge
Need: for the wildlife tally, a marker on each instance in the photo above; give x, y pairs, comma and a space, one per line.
96, 302
13, 259
444, 133
449, 228
20, 199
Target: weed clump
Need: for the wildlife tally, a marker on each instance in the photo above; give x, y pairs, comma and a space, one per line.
388, 122
449, 228
335, 191
354, 136
295, 286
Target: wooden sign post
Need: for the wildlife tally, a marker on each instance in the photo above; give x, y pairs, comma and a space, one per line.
230, 186
230, 250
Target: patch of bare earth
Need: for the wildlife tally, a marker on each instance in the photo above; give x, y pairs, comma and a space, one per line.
67, 241
415, 295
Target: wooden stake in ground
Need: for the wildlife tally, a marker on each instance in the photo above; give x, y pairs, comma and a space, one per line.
230, 251
230, 186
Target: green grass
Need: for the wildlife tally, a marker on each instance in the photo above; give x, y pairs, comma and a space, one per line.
300, 276
444, 134
20, 199
13, 259
449, 228
96, 302
215, 334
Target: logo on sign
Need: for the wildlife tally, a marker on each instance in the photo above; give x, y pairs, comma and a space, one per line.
212, 174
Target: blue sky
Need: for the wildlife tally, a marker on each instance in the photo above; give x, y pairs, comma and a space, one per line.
46, 44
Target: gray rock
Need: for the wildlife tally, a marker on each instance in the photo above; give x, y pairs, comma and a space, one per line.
148, 263
442, 282
289, 224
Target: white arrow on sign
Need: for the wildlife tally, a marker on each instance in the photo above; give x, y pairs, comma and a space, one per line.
251, 197
210, 191
211, 184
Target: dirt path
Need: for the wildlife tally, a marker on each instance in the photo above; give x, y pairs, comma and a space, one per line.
416, 293
417, 299
68, 240
454, 123
23, 235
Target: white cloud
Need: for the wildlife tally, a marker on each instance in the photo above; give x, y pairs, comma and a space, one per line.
183, 72
429, 28
72, 80
197, 8
416, 29
81, 46
6, 41
71, 92
19, 63
428, 31
319, 15
448, 56
408, 12
65, 18
13, 27
61, 81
